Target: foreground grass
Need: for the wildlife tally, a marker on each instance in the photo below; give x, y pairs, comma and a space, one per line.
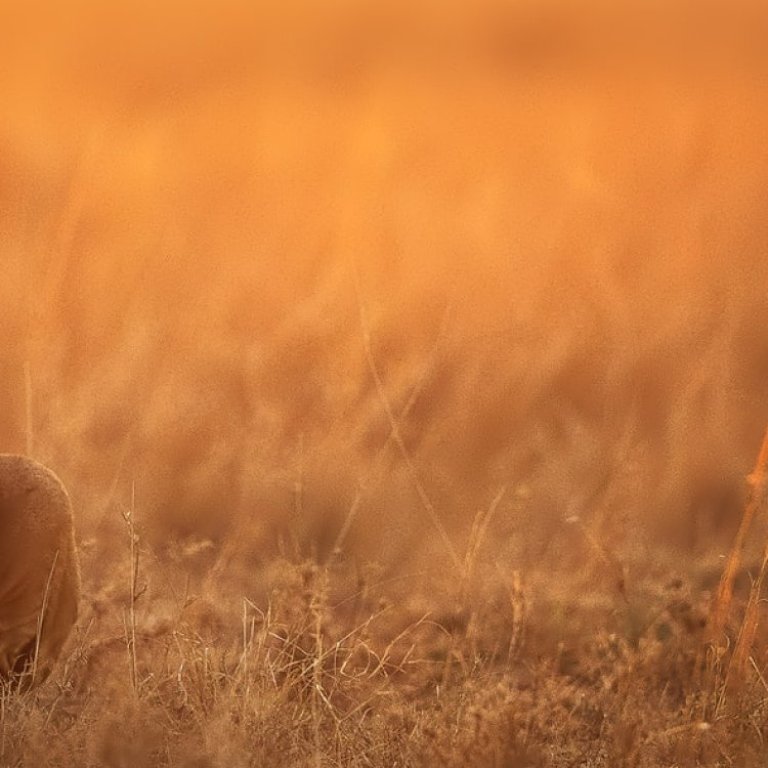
331, 671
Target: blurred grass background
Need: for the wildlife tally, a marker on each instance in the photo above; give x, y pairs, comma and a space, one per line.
423, 347
548, 219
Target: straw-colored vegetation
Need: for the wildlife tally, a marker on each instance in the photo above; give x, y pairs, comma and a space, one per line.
408, 372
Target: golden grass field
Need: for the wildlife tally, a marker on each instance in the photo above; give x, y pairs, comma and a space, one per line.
406, 366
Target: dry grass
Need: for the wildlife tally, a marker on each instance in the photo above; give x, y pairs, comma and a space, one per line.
327, 673
405, 369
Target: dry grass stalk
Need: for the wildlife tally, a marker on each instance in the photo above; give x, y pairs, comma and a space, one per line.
742, 653
129, 517
378, 461
721, 607
41, 620
739, 662
477, 536
426, 502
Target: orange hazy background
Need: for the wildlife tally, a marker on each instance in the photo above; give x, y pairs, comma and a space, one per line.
290, 276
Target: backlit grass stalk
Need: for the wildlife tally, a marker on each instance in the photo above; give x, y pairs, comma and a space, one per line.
41, 620
742, 653
391, 437
426, 502
130, 621
721, 607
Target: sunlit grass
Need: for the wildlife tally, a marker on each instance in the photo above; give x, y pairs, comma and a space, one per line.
405, 371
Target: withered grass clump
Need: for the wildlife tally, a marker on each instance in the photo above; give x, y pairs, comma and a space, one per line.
337, 666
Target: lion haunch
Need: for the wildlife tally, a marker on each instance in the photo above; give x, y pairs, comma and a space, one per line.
39, 573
